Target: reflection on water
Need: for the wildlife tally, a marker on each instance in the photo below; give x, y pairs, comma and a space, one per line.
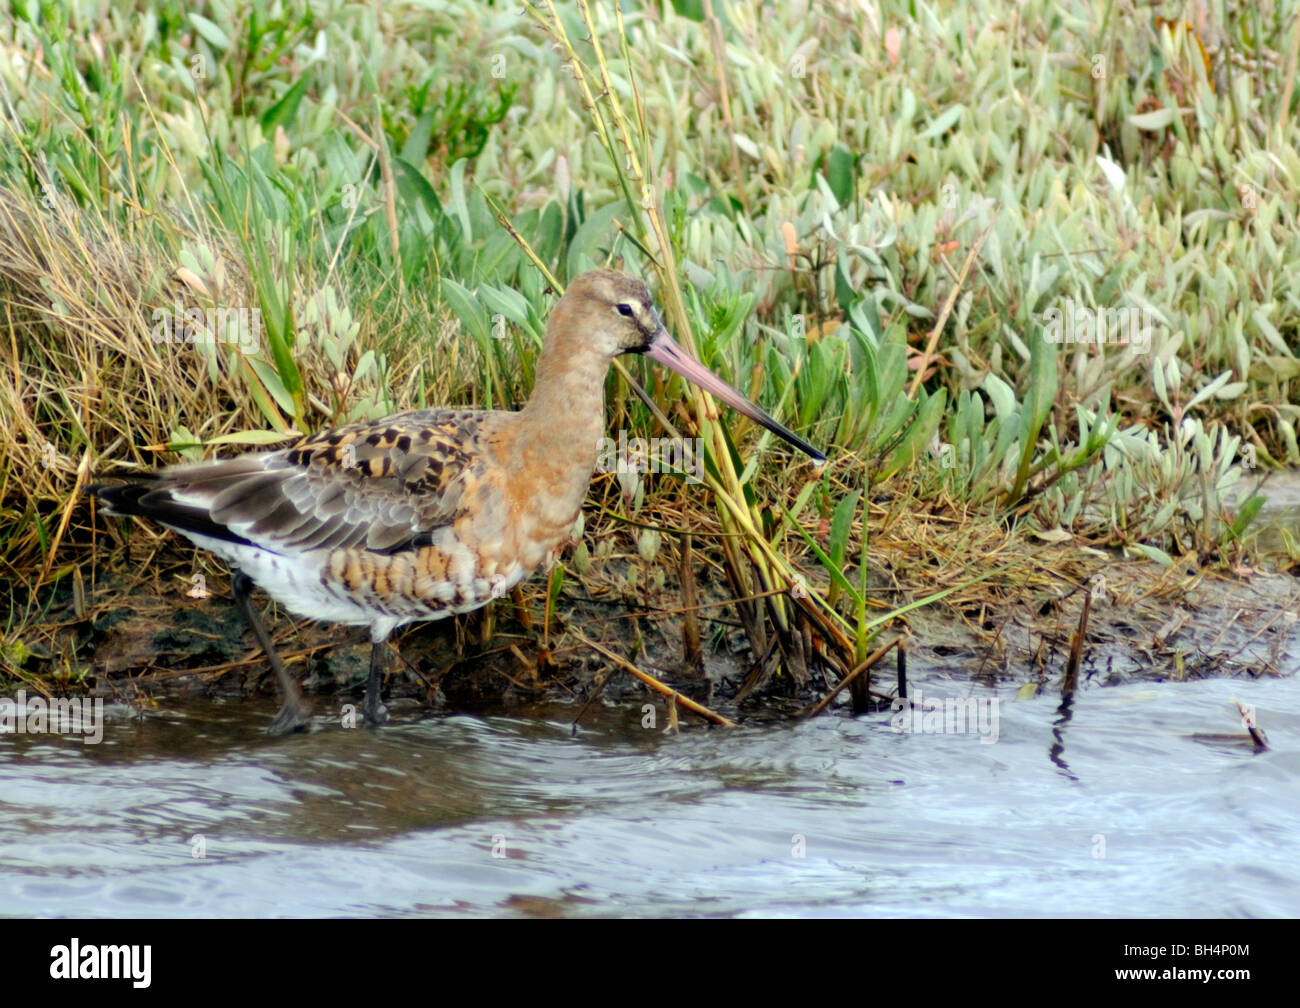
1115, 807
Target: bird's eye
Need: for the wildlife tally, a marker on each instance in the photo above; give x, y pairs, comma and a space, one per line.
626, 310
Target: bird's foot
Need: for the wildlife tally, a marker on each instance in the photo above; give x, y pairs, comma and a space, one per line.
372, 708
294, 716
374, 711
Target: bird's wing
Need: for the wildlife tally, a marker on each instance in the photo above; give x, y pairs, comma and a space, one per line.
385, 486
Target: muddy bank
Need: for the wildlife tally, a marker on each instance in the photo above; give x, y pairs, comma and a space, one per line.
145, 634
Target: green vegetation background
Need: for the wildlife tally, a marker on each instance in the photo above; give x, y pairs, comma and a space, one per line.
876, 212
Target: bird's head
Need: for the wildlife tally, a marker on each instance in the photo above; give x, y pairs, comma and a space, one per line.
619, 317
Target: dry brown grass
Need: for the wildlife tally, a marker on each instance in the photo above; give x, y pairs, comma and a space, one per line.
84, 384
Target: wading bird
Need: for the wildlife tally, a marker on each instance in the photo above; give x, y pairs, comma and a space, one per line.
427, 513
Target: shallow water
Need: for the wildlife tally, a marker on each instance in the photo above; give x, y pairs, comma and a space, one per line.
1281, 510
1117, 809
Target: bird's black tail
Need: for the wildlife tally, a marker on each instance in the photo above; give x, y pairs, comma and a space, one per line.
124, 498
146, 495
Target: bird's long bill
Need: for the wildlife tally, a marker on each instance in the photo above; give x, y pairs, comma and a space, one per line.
666, 351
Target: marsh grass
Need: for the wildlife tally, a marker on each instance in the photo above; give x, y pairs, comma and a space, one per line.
868, 219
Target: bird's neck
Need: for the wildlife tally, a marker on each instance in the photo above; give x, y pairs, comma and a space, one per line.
564, 421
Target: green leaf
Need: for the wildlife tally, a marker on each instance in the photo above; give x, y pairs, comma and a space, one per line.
210, 33
283, 111
458, 205
550, 232
836, 574
505, 301
840, 167
942, 123
417, 141
1209, 390
929, 411
844, 292
690, 9
1000, 394
1247, 515
467, 308
595, 229
415, 189
1153, 553
841, 525
271, 381
1151, 121
252, 437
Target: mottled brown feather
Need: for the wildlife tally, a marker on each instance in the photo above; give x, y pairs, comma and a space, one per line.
376, 486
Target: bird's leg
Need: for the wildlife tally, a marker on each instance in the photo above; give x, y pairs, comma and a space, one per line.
521, 607
373, 708
293, 714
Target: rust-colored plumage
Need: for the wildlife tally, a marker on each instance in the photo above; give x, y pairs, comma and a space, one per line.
427, 513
